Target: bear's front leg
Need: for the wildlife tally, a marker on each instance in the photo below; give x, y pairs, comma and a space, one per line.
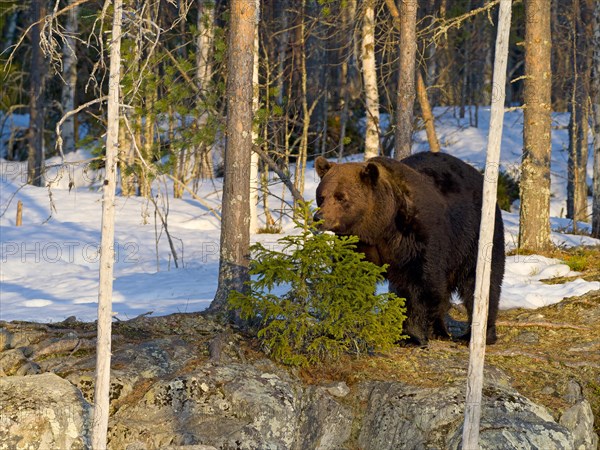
416, 325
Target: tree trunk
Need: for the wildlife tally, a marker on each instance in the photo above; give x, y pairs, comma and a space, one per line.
534, 219
35, 158
348, 14
254, 159
464, 91
370, 81
428, 119
282, 45
306, 109
470, 435
107, 258
126, 161
235, 218
579, 108
596, 101
11, 30
204, 42
421, 92
314, 49
406, 80
69, 74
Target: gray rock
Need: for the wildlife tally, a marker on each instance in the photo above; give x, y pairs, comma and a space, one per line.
41, 412
573, 392
245, 406
233, 406
324, 422
338, 389
11, 360
579, 419
405, 417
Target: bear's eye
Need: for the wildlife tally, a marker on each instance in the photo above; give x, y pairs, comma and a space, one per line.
339, 196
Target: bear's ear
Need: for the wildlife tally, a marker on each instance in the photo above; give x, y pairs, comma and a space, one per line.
370, 173
322, 166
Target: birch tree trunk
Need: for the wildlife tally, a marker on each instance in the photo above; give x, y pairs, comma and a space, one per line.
35, 158
306, 109
204, 42
596, 101
370, 81
470, 436
107, 251
534, 218
235, 218
406, 81
69, 74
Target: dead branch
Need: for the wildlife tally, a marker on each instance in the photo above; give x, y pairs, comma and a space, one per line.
285, 178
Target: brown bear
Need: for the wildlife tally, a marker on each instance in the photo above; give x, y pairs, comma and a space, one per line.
420, 216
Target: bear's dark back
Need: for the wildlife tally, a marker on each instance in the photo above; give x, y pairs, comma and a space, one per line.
462, 187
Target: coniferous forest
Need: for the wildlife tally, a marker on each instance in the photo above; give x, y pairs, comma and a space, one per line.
333, 78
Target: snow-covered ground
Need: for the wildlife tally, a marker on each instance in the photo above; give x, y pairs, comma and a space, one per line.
49, 266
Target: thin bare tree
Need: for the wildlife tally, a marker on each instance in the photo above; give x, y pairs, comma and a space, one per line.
470, 435
107, 251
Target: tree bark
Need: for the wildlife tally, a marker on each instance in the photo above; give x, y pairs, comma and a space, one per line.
204, 43
421, 91
107, 251
235, 225
69, 74
534, 218
126, 160
406, 80
254, 159
307, 109
35, 140
348, 14
596, 109
470, 436
428, 119
11, 30
370, 81
580, 112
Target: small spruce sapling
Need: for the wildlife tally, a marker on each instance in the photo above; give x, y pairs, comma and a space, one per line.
326, 302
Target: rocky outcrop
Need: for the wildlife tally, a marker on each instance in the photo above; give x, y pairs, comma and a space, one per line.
42, 412
171, 391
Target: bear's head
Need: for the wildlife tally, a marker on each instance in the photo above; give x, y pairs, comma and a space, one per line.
354, 199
